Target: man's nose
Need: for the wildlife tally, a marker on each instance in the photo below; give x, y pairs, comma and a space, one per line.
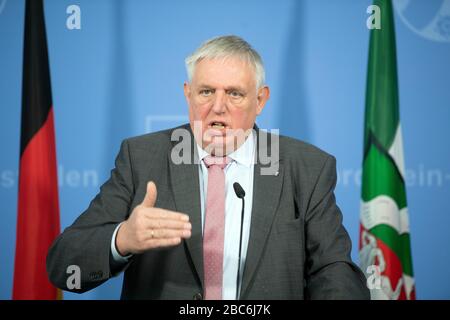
220, 101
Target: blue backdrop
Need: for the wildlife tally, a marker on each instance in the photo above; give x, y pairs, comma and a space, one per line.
122, 74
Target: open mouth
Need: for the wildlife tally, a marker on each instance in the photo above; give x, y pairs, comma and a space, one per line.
217, 125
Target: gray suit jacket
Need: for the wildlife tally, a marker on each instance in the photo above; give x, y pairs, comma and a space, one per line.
298, 247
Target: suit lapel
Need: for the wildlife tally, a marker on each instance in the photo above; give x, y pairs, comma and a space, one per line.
266, 195
185, 185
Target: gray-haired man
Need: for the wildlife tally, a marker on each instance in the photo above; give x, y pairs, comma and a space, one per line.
181, 231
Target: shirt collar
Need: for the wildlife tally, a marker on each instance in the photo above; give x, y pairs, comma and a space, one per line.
243, 155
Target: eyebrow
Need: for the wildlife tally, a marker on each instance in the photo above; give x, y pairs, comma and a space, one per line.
203, 86
230, 88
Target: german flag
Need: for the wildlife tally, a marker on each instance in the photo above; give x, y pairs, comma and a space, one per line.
38, 208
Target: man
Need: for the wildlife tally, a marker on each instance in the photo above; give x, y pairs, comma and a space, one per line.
175, 226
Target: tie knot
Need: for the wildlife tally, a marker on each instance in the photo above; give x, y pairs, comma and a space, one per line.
216, 161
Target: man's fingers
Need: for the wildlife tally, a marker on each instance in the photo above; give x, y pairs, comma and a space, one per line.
156, 227
150, 195
167, 224
165, 242
157, 213
156, 234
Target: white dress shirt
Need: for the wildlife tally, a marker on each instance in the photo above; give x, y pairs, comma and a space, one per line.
240, 170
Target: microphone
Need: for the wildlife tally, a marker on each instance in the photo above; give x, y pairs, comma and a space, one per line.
240, 193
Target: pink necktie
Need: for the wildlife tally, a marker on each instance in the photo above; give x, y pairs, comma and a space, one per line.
213, 235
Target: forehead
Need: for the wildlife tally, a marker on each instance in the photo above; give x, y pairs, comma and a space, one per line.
227, 71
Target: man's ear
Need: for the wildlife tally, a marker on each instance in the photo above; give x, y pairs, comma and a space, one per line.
187, 90
263, 96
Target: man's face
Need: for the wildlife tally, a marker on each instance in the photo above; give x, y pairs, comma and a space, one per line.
223, 101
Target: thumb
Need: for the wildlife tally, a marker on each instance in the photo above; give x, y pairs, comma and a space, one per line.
150, 196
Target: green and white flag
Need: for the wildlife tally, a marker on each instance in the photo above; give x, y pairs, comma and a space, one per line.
385, 251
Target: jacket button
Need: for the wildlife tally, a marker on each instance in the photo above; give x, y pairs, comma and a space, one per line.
198, 296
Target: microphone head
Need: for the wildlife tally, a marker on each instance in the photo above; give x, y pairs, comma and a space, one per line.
240, 193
